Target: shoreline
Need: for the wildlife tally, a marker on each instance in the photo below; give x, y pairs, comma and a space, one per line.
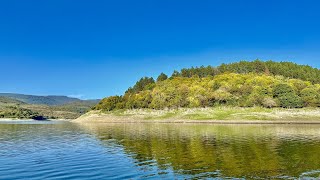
206, 122
16, 120
221, 115
169, 121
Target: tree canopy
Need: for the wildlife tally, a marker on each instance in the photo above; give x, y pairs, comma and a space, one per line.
162, 77
286, 69
244, 84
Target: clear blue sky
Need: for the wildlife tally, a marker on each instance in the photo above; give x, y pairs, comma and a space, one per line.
94, 49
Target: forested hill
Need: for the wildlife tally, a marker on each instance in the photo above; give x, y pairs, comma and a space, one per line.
286, 69
244, 84
22, 106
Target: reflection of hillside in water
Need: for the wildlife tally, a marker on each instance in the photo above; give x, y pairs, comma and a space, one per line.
218, 150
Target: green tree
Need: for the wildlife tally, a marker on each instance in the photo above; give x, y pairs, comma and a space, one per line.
310, 96
282, 89
222, 96
141, 85
286, 69
287, 96
290, 100
162, 77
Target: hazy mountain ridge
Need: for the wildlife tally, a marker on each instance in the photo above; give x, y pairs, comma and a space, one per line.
42, 107
46, 100
8, 100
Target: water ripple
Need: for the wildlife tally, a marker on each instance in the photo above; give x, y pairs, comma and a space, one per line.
131, 151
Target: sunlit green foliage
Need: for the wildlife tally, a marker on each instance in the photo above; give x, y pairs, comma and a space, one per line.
109, 103
311, 96
231, 89
287, 96
282, 89
245, 84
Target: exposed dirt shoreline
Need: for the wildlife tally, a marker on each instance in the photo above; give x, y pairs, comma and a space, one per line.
98, 117
208, 121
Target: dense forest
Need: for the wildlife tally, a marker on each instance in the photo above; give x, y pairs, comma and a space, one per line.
244, 84
285, 69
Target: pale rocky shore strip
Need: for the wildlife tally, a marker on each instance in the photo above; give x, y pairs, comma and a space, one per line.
204, 121
282, 117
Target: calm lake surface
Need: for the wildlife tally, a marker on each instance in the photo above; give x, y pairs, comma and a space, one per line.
51, 150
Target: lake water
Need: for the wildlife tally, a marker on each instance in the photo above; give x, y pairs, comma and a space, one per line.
50, 150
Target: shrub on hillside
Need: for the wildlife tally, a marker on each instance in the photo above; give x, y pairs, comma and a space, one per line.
310, 96
290, 100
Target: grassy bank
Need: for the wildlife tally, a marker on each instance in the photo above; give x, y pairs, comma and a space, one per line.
202, 114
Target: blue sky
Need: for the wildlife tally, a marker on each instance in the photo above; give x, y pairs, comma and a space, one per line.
93, 49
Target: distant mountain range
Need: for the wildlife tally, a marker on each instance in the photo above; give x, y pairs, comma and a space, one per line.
44, 100
24, 106
8, 100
